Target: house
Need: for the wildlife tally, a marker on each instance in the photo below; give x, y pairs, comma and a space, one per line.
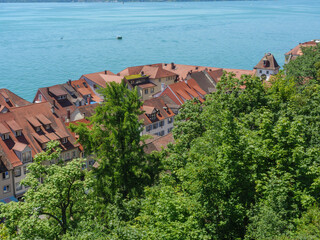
63, 98
158, 78
82, 87
297, 50
182, 91
100, 79
24, 132
83, 112
9, 100
266, 67
157, 118
205, 81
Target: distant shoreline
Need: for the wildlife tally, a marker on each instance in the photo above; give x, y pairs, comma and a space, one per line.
114, 1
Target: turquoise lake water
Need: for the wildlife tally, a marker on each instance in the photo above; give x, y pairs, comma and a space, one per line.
42, 44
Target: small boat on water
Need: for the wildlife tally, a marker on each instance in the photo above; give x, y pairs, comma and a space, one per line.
119, 37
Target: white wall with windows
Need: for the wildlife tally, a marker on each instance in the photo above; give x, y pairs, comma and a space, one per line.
159, 128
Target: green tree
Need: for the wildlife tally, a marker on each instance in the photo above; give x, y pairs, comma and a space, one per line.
54, 205
114, 139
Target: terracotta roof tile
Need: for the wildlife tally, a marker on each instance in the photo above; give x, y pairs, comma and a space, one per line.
270, 63
18, 146
157, 143
3, 129
14, 125
43, 119
297, 50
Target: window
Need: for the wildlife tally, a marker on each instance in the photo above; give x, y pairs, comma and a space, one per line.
6, 189
17, 172
18, 133
18, 186
170, 129
47, 127
170, 120
267, 72
37, 129
40, 97
26, 157
161, 123
161, 133
155, 126
260, 71
159, 79
146, 91
64, 140
67, 156
25, 170
152, 90
5, 175
73, 154
149, 128
94, 86
5, 136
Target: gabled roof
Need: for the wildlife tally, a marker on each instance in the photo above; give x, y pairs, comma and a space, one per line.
157, 143
182, 70
9, 100
30, 137
204, 81
267, 62
180, 92
297, 50
102, 78
61, 106
158, 106
81, 86
154, 71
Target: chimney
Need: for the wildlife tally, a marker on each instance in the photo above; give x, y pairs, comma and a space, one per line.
105, 72
69, 82
173, 66
197, 68
68, 115
88, 100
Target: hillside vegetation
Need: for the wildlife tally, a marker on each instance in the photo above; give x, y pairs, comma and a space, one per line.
245, 165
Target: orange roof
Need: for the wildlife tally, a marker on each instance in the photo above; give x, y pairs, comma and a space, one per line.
101, 78
180, 92
163, 111
183, 70
30, 137
153, 71
157, 143
297, 51
8, 99
239, 72
82, 87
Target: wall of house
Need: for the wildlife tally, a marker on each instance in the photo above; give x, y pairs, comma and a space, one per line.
268, 73
91, 84
19, 190
6, 182
159, 130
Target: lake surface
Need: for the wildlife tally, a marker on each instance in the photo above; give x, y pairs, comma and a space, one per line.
42, 44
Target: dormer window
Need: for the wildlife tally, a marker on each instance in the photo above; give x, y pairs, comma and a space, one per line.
5, 136
18, 133
37, 129
62, 97
44, 146
26, 157
64, 140
47, 126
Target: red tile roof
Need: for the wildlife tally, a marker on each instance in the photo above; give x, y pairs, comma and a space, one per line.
30, 137
81, 86
297, 50
156, 104
154, 71
270, 63
102, 78
8, 99
180, 92
156, 143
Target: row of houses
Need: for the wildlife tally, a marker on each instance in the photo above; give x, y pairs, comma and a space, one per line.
26, 127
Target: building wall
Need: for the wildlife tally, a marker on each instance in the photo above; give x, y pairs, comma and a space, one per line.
268, 73
19, 190
165, 129
6, 182
91, 85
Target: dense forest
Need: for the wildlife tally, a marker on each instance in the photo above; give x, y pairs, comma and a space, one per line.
245, 165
